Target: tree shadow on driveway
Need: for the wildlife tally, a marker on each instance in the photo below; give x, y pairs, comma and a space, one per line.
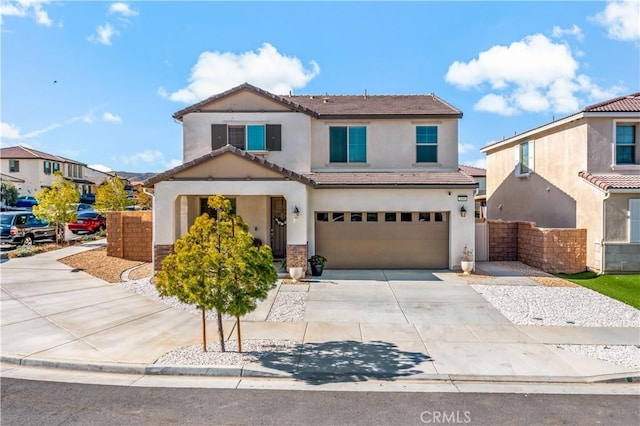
345, 361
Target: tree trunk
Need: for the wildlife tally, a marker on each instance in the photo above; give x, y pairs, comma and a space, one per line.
239, 334
221, 332
204, 331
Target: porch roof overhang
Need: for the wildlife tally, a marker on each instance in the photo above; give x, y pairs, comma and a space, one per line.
171, 173
613, 183
392, 180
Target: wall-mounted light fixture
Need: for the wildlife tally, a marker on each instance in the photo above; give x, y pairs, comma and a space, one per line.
296, 212
463, 212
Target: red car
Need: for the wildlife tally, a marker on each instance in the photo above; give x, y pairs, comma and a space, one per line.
88, 221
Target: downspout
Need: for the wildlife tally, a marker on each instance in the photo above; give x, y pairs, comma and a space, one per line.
602, 238
153, 232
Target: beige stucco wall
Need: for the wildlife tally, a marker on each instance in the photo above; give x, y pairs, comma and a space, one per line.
244, 101
295, 135
391, 144
31, 171
548, 195
602, 145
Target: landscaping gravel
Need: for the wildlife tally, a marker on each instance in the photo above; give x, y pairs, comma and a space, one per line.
531, 305
252, 351
288, 307
626, 356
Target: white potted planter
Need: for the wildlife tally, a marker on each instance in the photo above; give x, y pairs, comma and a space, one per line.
467, 261
296, 273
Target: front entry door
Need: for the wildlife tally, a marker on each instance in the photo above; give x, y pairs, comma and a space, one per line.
278, 227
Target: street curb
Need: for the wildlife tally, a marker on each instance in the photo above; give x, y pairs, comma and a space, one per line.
259, 372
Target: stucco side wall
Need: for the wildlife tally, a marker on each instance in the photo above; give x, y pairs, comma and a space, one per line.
30, 173
462, 230
169, 208
548, 195
391, 144
589, 217
244, 101
602, 145
295, 135
617, 217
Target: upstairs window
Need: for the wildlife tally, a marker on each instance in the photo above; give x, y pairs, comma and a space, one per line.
251, 137
426, 144
348, 144
56, 167
47, 167
14, 166
625, 144
524, 158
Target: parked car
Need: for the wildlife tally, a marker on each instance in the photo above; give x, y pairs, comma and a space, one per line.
81, 207
27, 201
88, 221
88, 198
136, 208
24, 228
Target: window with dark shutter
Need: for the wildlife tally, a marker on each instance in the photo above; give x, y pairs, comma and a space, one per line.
274, 137
237, 136
218, 136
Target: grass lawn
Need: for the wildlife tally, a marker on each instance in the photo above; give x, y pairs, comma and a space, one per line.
625, 288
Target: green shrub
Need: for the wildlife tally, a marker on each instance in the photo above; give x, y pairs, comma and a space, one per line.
22, 251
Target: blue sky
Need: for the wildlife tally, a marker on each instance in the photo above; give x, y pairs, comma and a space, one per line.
98, 81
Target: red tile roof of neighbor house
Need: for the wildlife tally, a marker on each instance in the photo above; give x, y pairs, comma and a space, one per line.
628, 103
473, 171
331, 179
612, 182
335, 106
22, 152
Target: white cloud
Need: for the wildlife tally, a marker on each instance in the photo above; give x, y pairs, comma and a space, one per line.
532, 75
480, 162
122, 9
464, 148
103, 34
215, 72
494, 103
575, 30
27, 8
621, 19
148, 156
112, 118
100, 168
9, 131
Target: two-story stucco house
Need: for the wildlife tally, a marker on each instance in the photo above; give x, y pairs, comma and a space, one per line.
581, 171
366, 181
36, 169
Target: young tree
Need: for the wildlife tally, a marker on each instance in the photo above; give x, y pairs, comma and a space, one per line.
111, 195
55, 204
9, 193
215, 265
143, 199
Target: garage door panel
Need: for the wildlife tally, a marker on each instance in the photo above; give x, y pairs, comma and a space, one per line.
383, 244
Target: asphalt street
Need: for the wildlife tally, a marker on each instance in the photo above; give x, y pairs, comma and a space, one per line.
27, 402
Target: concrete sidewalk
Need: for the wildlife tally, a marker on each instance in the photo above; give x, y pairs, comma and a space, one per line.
358, 325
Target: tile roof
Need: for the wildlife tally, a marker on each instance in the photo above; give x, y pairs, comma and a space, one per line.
213, 154
612, 182
333, 106
21, 152
390, 179
327, 106
473, 171
628, 103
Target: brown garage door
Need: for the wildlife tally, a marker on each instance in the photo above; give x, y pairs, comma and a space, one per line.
383, 239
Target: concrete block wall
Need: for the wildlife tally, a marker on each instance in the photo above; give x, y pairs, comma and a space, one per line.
553, 250
130, 235
503, 240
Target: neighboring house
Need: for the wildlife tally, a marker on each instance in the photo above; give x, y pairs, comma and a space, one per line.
581, 171
36, 169
367, 181
480, 176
